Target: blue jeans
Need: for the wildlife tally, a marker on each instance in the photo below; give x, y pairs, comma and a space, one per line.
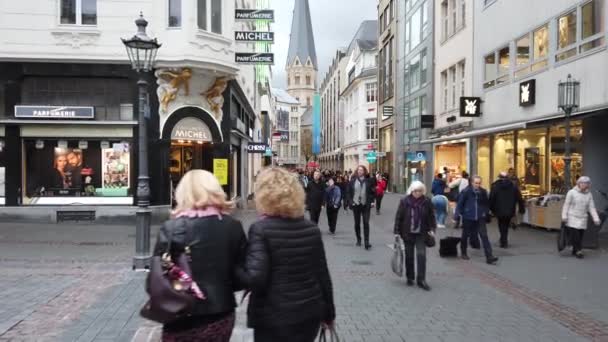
441, 208
474, 229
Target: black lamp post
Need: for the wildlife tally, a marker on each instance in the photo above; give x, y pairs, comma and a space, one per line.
569, 98
142, 54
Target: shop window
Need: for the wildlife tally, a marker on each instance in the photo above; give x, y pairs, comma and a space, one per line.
65, 172
78, 12
483, 158
454, 157
531, 161
504, 154
2, 173
558, 149
175, 13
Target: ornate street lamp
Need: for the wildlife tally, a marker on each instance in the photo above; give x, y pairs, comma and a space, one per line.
142, 50
569, 98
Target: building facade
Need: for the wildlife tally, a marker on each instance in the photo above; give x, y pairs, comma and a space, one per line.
360, 98
68, 116
286, 133
332, 114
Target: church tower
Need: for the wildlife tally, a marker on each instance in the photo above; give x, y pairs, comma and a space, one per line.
302, 64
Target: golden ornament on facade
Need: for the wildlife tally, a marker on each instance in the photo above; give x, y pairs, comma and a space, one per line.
169, 82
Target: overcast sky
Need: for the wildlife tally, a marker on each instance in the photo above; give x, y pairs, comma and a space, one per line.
334, 22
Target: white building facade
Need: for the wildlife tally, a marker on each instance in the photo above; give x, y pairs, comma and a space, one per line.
286, 133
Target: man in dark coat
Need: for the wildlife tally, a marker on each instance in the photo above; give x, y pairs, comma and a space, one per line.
315, 194
361, 195
504, 196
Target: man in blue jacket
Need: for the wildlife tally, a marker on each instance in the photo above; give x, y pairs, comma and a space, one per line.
474, 207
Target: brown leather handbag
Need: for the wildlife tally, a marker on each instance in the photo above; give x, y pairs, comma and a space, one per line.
167, 303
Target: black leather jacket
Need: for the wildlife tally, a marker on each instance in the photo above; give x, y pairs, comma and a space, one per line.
287, 273
218, 248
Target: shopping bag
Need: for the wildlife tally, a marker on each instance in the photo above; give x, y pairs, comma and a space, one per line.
398, 257
563, 238
333, 335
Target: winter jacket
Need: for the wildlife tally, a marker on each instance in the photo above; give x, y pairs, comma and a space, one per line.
218, 248
403, 218
369, 184
577, 207
438, 187
333, 196
315, 193
473, 205
287, 274
460, 183
504, 196
380, 187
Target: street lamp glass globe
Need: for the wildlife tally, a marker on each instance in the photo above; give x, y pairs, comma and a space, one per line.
141, 49
569, 94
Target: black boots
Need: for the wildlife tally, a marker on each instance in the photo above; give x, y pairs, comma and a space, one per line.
423, 285
491, 260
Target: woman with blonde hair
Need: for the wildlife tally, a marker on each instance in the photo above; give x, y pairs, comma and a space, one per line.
285, 268
215, 244
414, 222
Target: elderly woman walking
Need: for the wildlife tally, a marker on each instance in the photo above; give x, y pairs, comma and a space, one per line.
414, 222
285, 268
578, 205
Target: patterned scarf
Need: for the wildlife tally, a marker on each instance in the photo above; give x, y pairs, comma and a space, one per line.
415, 205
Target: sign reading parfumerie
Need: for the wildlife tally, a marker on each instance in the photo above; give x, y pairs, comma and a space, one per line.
54, 112
251, 14
254, 58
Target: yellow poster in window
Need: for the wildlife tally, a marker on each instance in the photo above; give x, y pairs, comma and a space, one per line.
220, 170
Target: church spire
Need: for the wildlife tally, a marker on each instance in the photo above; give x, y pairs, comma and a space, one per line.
302, 41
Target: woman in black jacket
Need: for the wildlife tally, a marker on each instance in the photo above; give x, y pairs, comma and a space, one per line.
285, 268
216, 245
361, 194
414, 222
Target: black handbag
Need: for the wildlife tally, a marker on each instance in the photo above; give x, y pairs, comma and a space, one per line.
563, 238
167, 303
333, 335
429, 240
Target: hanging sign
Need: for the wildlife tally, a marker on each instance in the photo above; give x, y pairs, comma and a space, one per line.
470, 107
257, 148
220, 170
427, 121
254, 58
252, 14
387, 111
527, 93
252, 36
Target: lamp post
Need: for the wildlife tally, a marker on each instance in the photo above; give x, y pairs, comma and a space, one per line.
568, 97
142, 50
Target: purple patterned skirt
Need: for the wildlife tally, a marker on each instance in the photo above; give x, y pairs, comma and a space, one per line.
217, 331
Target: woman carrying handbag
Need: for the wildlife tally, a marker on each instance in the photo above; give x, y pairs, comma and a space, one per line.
415, 223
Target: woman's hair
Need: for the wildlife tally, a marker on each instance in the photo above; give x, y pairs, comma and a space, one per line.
364, 169
199, 189
278, 193
583, 179
416, 185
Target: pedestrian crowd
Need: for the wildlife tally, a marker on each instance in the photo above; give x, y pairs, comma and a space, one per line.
203, 256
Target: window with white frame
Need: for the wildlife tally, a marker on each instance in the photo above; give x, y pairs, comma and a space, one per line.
371, 129
496, 70
293, 136
294, 151
78, 12
532, 51
210, 11
452, 86
175, 13
462, 72
589, 18
371, 92
444, 90
416, 72
453, 16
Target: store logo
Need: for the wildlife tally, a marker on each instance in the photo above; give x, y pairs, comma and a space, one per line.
191, 129
527, 93
470, 106
252, 36
254, 58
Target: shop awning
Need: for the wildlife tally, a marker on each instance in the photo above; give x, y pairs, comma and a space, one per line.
477, 132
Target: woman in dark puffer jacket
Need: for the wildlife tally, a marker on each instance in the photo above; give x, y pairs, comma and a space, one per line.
285, 268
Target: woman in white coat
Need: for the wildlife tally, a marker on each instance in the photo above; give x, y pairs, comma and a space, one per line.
579, 204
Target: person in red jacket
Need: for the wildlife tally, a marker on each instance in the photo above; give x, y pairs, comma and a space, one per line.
380, 189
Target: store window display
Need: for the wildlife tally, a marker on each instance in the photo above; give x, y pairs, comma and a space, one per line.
558, 149
531, 161
453, 157
483, 157
504, 156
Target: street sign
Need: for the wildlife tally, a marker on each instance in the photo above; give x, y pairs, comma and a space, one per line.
387, 111
380, 154
252, 36
254, 58
371, 157
252, 14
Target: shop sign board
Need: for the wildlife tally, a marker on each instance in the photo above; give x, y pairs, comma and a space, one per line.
388, 111
527, 93
371, 157
220, 170
418, 156
253, 36
191, 129
470, 107
257, 148
427, 121
54, 112
380, 154
262, 58
253, 14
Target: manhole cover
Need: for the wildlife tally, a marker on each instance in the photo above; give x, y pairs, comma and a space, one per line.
362, 262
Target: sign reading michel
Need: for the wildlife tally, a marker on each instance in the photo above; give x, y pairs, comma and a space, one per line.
253, 36
191, 129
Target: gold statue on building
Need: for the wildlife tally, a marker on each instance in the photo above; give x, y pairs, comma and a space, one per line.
215, 96
169, 82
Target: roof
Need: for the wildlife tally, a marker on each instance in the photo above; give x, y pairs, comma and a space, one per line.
365, 73
366, 37
302, 41
306, 119
282, 96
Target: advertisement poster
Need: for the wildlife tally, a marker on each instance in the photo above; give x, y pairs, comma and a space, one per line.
532, 166
283, 125
220, 170
115, 168
67, 169
316, 125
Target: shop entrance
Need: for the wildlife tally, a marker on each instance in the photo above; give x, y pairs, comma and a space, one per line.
454, 157
188, 155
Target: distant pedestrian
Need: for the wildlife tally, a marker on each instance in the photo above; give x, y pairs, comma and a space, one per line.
578, 206
361, 195
414, 221
439, 185
333, 202
286, 268
216, 245
380, 189
315, 193
441, 203
474, 207
504, 197
459, 185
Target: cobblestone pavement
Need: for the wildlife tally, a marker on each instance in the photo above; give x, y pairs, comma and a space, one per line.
74, 283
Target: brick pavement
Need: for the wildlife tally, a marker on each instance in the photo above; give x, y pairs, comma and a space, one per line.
74, 283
